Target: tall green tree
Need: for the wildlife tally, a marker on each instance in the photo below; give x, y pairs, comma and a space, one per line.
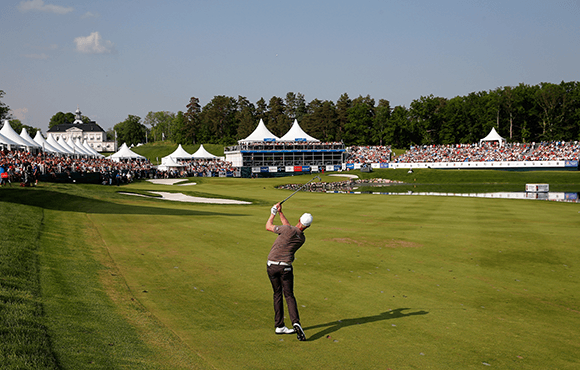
61, 118
295, 106
360, 121
278, 123
343, 104
177, 129
320, 120
218, 117
131, 131
381, 122
192, 129
159, 124
4, 109
245, 117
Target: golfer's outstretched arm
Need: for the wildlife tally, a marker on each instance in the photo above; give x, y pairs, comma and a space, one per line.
282, 217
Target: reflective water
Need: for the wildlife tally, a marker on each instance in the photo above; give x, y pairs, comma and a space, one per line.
550, 196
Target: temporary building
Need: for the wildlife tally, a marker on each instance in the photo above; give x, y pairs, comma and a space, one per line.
24, 135
8, 132
55, 144
67, 147
179, 153
4, 141
91, 150
261, 133
201, 153
493, 136
168, 163
125, 153
297, 134
45, 145
76, 148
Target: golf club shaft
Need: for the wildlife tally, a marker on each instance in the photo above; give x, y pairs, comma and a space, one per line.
300, 188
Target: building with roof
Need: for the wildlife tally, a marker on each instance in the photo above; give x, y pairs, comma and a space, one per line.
264, 153
94, 135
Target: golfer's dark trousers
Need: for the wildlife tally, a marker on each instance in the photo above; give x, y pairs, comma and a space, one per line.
282, 279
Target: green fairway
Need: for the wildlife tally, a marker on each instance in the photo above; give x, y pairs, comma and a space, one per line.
383, 282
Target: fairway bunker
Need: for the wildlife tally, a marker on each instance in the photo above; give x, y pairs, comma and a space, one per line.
180, 197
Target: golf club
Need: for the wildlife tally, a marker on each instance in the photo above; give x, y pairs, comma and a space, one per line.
300, 188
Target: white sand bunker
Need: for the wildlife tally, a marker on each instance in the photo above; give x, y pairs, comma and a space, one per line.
344, 175
179, 197
170, 182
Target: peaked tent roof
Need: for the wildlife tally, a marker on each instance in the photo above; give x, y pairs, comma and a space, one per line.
167, 163
9, 133
4, 140
91, 150
201, 153
179, 153
46, 146
64, 144
125, 153
297, 134
55, 144
261, 133
493, 136
76, 149
28, 139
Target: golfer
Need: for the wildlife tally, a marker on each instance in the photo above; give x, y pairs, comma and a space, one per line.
290, 239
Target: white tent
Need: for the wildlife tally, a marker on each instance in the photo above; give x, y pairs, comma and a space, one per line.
77, 150
45, 145
297, 134
79, 145
179, 153
167, 163
90, 149
66, 147
493, 136
8, 132
201, 153
24, 135
55, 144
261, 133
5, 141
125, 153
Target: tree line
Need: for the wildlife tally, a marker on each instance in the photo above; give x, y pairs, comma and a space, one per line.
523, 113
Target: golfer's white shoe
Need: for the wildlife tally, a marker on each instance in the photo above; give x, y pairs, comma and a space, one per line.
284, 330
299, 332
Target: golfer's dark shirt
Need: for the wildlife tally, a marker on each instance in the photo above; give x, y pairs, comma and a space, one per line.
289, 240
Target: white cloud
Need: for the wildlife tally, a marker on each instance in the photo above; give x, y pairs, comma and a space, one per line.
40, 6
41, 56
94, 44
20, 113
90, 15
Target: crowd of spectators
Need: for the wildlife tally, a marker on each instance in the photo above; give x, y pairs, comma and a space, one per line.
199, 168
26, 168
368, 154
488, 152
346, 185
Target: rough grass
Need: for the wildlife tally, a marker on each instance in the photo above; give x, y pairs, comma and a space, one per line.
382, 282
24, 341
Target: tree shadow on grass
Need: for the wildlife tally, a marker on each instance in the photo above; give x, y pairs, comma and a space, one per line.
58, 201
333, 326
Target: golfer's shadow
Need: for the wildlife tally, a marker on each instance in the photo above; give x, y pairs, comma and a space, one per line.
331, 327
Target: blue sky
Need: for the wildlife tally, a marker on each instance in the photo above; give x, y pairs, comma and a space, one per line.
116, 58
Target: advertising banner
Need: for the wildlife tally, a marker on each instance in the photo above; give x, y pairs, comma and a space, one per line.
297, 168
255, 169
263, 169
289, 169
272, 169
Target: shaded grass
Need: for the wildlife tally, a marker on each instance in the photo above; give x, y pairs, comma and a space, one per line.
24, 341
